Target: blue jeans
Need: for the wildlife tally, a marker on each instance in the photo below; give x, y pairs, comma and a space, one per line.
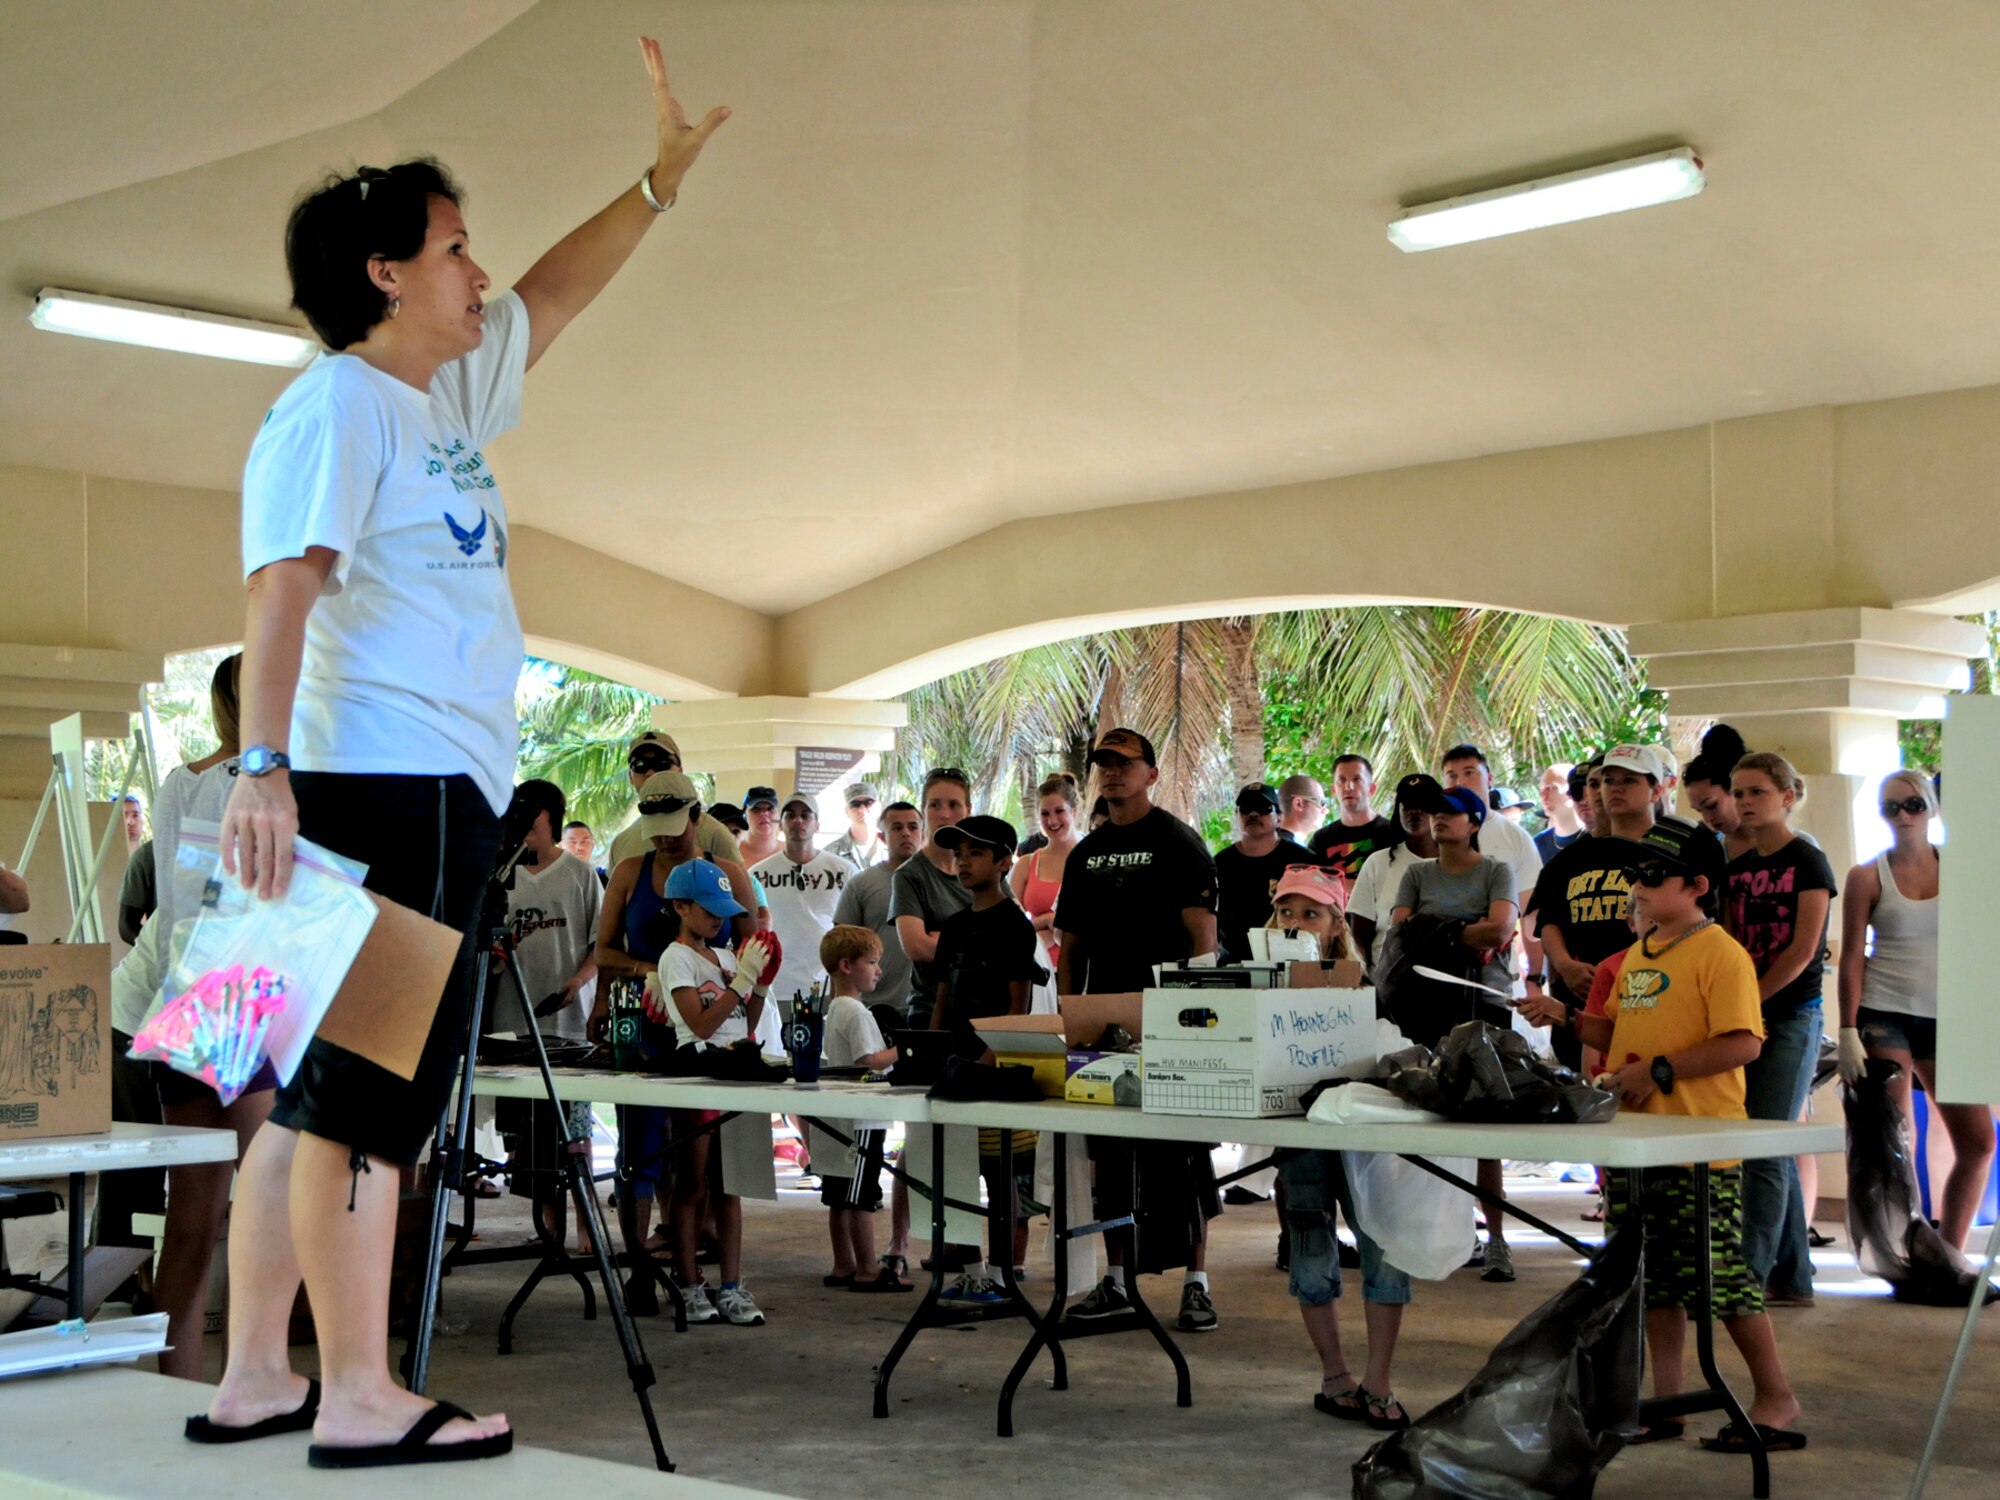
1774, 1213
1313, 1182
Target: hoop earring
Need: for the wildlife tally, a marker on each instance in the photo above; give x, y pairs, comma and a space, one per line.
395, 306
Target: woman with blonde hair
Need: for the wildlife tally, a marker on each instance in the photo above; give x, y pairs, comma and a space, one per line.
1888, 986
1776, 900
1037, 880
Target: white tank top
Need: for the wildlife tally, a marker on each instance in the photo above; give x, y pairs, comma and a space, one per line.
1902, 971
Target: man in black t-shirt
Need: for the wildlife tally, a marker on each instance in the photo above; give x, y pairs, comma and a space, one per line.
1140, 890
1359, 830
1248, 871
1581, 898
1137, 892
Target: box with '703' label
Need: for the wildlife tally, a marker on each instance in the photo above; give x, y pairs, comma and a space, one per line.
1251, 1053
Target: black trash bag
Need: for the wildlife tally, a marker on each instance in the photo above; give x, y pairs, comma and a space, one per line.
1551, 1407
963, 1079
1892, 1238
1484, 1074
1425, 1009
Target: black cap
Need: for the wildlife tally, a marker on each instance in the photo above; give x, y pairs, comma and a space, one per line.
758, 794
1126, 742
992, 833
1687, 846
1579, 780
1423, 793
1258, 796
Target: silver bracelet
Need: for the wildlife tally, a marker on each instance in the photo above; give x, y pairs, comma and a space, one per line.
646, 192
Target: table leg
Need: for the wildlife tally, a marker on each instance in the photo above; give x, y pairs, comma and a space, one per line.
78, 1250
919, 1318
1977, 1301
1003, 1229
1704, 1345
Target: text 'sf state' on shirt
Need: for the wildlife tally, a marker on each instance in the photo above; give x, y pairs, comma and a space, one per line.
413, 650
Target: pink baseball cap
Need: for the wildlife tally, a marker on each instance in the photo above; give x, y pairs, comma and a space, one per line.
1317, 881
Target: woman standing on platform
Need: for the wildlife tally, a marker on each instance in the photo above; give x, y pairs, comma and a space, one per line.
1037, 879
1776, 900
381, 653
1888, 989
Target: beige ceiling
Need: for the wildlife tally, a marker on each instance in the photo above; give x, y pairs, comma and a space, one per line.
954, 264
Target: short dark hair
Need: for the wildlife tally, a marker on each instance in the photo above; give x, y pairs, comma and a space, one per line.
538, 796
1462, 752
576, 823
902, 807
1351, 755
339, 226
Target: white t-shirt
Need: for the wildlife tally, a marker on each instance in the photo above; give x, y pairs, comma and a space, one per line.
681, 968
553, 917
413, 649
1504, 839
851, 1032
1374, 893
803, 899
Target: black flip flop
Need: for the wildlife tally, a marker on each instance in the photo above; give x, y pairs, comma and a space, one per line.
882, 1283
202, 1430
1733, 1439
837, 1281
414, 1446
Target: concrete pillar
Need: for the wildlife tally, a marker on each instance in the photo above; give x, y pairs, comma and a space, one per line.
1824, 688
746, 742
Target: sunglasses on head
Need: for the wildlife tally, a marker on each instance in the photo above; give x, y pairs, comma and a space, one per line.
655, 807
1650, 874
1914, 806
947, 773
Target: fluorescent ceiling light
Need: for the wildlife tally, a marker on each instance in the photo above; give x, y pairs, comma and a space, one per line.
171, 328
1637, 183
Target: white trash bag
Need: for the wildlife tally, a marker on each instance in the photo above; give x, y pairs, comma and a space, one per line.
1422, 1223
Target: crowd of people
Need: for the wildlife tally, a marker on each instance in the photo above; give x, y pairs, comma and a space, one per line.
923, 914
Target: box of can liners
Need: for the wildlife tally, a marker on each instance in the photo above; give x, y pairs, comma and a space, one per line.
1251, 1053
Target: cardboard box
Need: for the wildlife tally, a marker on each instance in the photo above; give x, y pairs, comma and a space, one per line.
55, 1040
1251, 1053
1033, 1042
1103, 1078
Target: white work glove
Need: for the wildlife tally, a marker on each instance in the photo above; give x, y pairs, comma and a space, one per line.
1853, 1056
750, 961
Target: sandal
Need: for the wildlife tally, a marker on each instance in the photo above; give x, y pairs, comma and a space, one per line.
1377, 1416
837, 1281
1347, 1405
202, 1430
1816, 1238
414, 1446
881, 1283
1663, 1431
1733, 1439
897, 1266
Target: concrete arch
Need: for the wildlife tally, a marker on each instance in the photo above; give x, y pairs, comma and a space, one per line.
1879, 505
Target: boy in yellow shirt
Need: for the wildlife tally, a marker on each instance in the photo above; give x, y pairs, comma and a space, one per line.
1682, 1020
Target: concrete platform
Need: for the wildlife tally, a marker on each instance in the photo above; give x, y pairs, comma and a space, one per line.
116, 1435
785, 1408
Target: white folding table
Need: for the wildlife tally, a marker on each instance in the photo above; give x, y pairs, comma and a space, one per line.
123, 1147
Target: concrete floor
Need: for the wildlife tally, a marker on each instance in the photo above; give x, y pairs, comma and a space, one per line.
785, 1408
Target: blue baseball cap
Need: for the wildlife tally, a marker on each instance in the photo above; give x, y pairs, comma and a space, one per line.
1464, 799
704, 884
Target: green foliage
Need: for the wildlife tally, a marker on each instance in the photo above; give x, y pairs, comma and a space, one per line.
575, 727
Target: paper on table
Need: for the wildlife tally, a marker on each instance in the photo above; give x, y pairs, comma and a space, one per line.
66, 1346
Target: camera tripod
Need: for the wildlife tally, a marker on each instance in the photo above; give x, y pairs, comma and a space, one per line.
574, 1164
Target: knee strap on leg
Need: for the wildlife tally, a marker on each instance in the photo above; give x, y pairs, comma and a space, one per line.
357, 1163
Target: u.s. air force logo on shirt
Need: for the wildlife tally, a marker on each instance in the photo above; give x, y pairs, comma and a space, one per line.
1640, 989
471, 541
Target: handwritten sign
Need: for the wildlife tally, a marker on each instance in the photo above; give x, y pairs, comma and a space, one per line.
1252, 1052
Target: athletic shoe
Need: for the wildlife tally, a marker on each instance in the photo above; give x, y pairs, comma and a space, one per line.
700, 1307
1478, 1256
1499, 1262
736, 1304
1197, 1312
971, 1291
1105, 1300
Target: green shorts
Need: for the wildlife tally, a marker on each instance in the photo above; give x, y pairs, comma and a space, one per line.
1673, 1239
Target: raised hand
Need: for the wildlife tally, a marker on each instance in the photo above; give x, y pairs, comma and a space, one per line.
680, 142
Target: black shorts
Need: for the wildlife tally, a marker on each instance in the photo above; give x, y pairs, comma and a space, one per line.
429, 843
864, 1189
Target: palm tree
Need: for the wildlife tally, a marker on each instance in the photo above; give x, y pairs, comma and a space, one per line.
1239, 698
575, 728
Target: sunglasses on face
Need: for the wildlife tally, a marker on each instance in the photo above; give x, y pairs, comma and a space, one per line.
1648, 875
655, 807
650, 764
1914, 806
862, 802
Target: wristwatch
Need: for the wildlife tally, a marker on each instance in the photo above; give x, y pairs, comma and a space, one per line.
262, 760
1663, 1075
